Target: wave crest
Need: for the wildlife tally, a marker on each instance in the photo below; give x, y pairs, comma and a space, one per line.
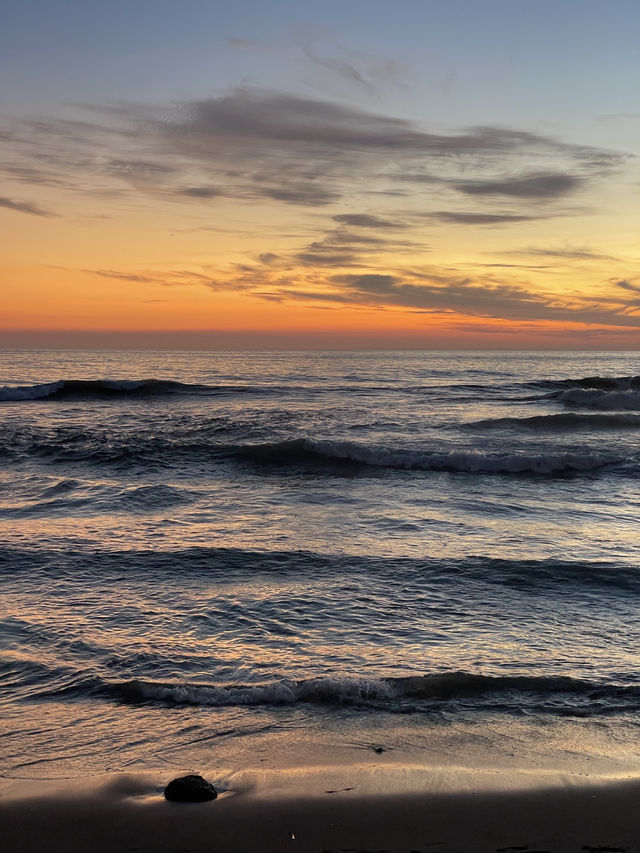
625, 400
70, 389
562, 421
600, 383
380, 693
319, 453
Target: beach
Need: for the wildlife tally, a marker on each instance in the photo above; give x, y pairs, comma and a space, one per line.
315, 810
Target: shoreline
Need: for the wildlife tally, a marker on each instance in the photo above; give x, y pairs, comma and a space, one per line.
398, 808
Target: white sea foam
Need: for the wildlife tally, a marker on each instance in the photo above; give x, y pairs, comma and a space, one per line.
286, 692
380, 692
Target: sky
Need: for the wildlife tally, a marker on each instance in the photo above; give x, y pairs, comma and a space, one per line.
416, 174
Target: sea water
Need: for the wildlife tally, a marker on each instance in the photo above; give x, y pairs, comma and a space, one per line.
225, 557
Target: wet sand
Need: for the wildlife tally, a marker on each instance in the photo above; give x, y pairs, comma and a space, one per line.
401, 809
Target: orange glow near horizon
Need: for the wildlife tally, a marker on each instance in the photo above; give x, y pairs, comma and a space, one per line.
186, 297
455, 260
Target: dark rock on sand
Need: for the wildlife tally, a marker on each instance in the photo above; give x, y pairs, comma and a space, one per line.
190, 789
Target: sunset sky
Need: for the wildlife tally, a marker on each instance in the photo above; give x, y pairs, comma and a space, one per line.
265, 173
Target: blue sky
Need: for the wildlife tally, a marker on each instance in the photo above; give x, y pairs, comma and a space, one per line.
553, 60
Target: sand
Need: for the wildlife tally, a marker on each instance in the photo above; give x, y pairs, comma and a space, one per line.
399, 808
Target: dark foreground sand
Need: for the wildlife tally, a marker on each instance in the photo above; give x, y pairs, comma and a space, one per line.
402, 809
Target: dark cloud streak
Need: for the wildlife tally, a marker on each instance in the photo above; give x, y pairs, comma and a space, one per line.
532, 186
24, 207
121, 276
626, 285
200, 192
468, 218
365, 220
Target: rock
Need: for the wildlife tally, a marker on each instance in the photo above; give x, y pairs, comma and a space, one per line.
190, 789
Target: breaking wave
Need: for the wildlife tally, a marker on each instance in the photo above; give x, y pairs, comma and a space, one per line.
600, 383
597, 399
561, 693
621, 393
318, 453
213, 447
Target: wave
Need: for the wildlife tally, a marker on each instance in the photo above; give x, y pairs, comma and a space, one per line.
562, 421
331, 454
63, 486
32, 678
158, 495
56, 500
391, 693
71, 389
597, 399
214, 446
621, 393
600, 383
164, 566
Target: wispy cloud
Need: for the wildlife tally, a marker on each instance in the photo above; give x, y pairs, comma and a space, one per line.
339, 65
260, 144
361, 70
618, 117
568, 253
24, 207
170, 278
627, 285
462, 295
470, 218
365, 220
320, 278
200, 192
272, 148
339, 276
122, 276
543, 186
306, 195
351, 247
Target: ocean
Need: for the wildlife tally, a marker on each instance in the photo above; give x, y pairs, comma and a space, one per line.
222, 559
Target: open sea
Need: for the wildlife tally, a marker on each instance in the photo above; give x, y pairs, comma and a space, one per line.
227, 558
